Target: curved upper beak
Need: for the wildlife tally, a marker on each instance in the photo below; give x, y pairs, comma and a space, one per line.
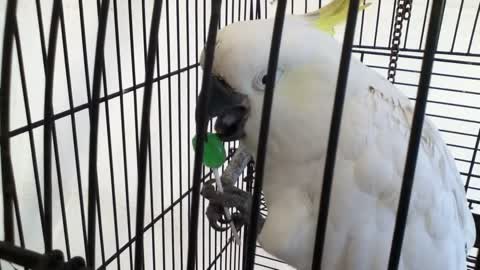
229, 106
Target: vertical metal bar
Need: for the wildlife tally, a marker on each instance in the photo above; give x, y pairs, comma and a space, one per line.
228, 234
204, 169
170, 136
60, 189
189, 151
424, 24
48, 118
8, 182
53, 132
179, 111
264, 129
408, 28
473, 30
215, 247
201, 133
361, 25
74, 129
149, 148
219, 257
98, 205
55, 141
160, 143
196, 95
416, 131
232, 254
377, 23
145, 131
472, 162
457, 24
122, 119
87, 76
30, 132
144, 31
258, 10
42, 34
100, 224
334, 134
89, 99
93, 146
134, 77
251, 10
154, 261
233, 11
236, 251
246, 230
112, 173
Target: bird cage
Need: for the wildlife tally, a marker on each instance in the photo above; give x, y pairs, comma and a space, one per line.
98, 110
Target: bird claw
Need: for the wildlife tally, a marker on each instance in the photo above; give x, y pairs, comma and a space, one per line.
215, 217
232, 197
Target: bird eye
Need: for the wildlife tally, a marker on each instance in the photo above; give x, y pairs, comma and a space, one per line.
260, 80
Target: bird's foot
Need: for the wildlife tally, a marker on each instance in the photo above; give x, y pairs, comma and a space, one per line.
231, 197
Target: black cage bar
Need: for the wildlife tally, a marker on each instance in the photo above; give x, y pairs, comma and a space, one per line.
94, 118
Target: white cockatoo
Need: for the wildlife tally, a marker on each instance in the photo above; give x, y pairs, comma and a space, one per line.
370, 160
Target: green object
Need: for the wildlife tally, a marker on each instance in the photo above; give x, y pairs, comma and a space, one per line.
213, 151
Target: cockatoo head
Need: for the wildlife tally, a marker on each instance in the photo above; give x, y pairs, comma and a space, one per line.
240, 69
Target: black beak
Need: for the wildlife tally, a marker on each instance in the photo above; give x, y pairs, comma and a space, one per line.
230, 108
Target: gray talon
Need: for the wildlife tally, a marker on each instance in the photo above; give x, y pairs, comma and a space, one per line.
214, 214
232, 197
240, 219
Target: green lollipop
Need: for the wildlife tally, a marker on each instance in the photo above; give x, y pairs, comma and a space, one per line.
213, 152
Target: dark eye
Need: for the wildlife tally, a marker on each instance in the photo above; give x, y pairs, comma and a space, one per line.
264, 79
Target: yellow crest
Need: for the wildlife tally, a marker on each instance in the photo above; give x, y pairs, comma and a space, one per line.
327, 17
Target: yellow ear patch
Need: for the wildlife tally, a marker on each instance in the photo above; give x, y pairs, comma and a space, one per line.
327, 17
300, 87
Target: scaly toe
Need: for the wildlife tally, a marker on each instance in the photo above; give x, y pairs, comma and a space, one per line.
208, 190
214, 214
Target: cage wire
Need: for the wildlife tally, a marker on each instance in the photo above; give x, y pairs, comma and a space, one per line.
120, 72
